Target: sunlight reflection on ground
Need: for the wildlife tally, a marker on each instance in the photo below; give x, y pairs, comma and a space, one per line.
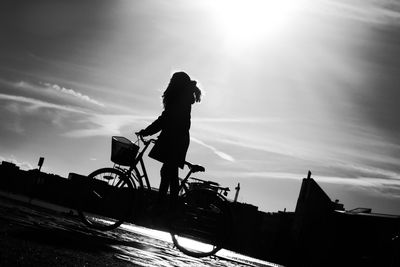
223, 253
138, 245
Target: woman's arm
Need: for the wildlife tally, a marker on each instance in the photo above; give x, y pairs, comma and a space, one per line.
155, 127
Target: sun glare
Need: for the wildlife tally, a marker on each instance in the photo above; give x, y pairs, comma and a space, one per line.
246, 22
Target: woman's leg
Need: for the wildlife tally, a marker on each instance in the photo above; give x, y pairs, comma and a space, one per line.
174, 186
164, 183
169, 178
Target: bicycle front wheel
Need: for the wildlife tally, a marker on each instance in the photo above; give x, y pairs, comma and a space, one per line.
201, 224
108, 199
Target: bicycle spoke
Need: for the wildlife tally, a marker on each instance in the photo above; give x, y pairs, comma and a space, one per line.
200, 226
108, 188
97, 194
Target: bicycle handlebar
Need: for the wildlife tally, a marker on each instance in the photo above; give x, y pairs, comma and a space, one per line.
193, 168
144, 140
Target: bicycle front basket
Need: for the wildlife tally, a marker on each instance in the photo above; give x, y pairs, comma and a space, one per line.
123, 151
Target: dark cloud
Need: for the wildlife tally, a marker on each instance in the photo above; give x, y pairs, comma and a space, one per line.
56, 30
378, 101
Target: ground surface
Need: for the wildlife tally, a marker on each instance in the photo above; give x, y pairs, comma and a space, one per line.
38, 236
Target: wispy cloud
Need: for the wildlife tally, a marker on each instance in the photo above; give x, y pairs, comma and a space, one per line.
51, 93
367, 171
368, 182
355, 156
37, 104
106, 125
375, 11
237, 120
237, 133
219, 153
91, 122
74, 93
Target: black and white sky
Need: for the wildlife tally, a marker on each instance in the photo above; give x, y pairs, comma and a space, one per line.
290, 86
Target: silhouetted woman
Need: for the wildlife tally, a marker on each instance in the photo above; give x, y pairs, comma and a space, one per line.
174, 124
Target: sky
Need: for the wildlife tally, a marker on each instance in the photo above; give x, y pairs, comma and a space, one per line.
289, 86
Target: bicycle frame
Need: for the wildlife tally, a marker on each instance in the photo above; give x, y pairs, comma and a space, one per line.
143, 174
139, 159
199, 200
134, 173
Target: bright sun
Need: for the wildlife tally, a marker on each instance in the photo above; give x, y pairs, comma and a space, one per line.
246, 22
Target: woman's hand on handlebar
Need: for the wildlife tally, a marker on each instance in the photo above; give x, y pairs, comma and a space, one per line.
140, 133
141, 136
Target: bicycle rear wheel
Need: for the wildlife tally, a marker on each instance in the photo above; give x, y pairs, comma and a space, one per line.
108, 199
201, 224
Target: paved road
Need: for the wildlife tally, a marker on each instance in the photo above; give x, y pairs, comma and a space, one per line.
31, 235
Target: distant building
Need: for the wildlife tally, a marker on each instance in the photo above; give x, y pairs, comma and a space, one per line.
8, 166
324, 234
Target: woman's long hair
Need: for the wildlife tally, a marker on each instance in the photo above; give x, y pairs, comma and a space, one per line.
181, 90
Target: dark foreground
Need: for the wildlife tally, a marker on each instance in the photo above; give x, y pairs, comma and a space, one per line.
36, 236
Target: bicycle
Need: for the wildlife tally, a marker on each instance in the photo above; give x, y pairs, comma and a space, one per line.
114, 194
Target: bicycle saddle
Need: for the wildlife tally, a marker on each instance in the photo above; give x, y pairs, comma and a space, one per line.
197, 168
